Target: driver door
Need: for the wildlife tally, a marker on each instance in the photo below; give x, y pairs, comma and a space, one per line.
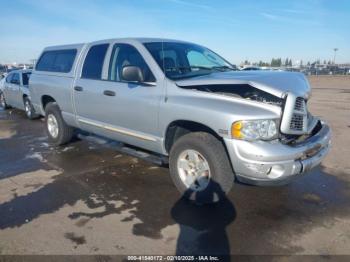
8, 89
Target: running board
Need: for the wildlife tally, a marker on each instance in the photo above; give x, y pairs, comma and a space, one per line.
150, 157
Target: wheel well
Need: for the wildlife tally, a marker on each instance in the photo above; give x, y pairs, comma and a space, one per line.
182, 127
45, 100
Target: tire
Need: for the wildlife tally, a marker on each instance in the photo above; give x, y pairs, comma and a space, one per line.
211, 150
59, 133
29, 109
3, 104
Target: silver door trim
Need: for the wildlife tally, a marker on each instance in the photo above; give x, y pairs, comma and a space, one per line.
118, 130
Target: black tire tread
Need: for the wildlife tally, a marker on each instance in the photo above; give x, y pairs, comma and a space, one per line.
6, 105
33, 114
65, 132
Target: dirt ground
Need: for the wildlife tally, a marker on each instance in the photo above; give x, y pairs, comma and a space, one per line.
85, 198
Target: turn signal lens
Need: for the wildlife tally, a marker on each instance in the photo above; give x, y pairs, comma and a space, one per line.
236, 130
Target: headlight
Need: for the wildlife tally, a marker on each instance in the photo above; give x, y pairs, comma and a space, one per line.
255, 129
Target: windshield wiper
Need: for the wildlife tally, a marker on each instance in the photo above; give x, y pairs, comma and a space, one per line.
223, 68
220, 68
189, 67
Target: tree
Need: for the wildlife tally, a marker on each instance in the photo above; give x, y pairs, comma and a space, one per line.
290, 62
276, 62
262, 63
286, 62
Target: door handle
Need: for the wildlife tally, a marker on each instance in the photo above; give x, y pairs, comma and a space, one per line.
109, 93
78, 88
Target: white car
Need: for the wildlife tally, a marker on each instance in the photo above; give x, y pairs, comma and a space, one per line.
14, 92
2, 83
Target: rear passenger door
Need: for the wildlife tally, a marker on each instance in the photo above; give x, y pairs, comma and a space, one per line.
108, 106
13, 90
88, 90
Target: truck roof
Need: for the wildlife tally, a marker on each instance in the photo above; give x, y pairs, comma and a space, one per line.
21, 71
125, 40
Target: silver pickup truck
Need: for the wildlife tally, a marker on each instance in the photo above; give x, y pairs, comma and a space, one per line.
182, 100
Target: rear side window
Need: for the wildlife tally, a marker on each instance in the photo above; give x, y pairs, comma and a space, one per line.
57, 61
93, 63
46, 61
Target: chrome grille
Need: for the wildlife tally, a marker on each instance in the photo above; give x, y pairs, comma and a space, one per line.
299, 104
294, 119
297, 122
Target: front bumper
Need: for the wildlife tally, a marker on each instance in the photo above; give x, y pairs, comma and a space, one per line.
274, 163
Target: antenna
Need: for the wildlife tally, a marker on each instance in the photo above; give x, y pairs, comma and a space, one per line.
335, 52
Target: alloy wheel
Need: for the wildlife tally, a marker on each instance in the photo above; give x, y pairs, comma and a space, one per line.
193, 169
52, 125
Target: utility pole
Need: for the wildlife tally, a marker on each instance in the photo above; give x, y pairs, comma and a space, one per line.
335, 52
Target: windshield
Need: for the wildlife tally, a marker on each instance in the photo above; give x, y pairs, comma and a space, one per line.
183, 60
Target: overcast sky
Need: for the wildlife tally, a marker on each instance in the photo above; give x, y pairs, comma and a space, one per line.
238, 30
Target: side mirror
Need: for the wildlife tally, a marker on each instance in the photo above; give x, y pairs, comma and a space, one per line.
132, 74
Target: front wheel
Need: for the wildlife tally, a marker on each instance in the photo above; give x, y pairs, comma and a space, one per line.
200, 168
3, 101
29, 109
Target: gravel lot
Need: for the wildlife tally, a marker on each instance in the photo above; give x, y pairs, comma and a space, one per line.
85, 198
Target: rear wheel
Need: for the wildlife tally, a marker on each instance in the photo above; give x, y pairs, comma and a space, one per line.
59, 133
200, 168
3, 104
29, 109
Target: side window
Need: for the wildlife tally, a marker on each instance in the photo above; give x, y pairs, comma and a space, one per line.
64, 61
25, 78
8, 78
15, 79
46, 61
57, 61
124, 55
93, 63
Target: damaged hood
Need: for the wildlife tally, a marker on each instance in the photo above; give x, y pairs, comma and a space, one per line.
276, 83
